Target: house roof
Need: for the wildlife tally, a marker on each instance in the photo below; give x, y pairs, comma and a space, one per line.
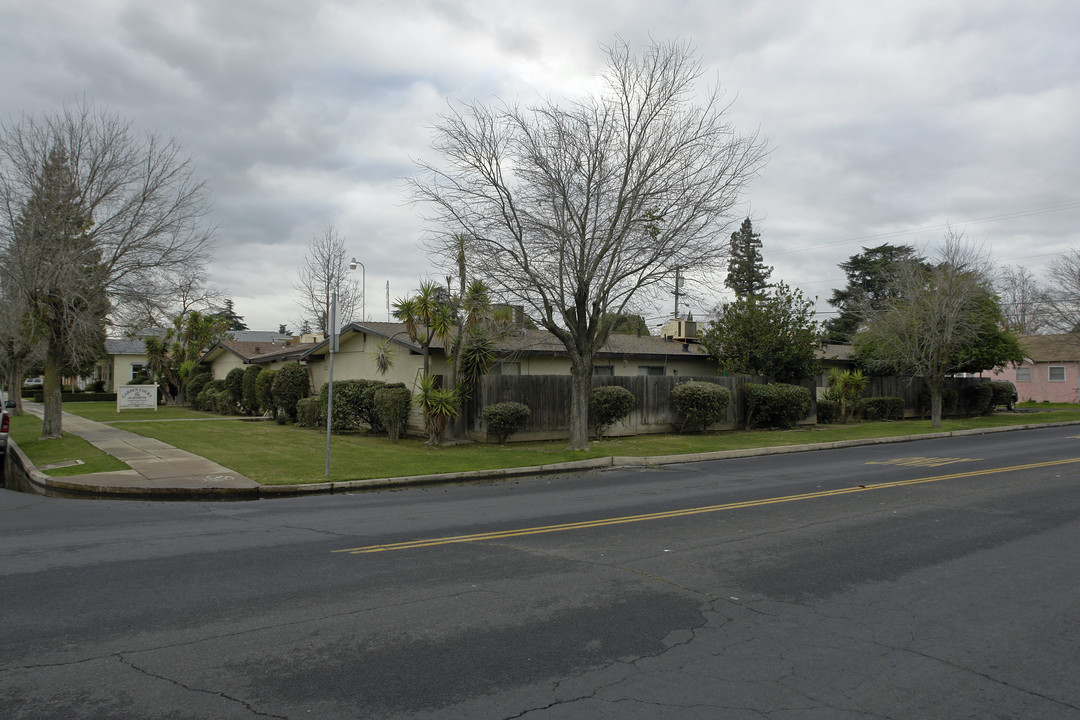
534, 342
255, 352
125, 346
1051, 348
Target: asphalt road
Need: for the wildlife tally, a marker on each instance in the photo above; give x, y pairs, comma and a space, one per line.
932, 579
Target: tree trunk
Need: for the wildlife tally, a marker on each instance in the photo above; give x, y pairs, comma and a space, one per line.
51, 423
580, 387
935, 406
14, 383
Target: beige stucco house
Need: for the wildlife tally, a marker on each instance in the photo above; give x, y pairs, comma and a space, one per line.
523, 352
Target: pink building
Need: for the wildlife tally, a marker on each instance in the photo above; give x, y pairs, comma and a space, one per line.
1050, 371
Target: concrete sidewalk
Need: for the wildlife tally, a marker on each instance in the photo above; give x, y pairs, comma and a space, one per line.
157, 468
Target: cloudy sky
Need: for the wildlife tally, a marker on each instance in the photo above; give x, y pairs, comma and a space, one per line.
887, 120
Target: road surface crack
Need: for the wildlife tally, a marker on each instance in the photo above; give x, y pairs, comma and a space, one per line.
189, 688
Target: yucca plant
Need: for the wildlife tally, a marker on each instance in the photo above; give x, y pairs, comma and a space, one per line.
440, 406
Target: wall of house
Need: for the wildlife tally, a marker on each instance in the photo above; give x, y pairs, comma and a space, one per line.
354, 361
1040, 388
225, 362
121, 369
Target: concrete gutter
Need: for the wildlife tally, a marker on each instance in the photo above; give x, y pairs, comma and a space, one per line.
132, 484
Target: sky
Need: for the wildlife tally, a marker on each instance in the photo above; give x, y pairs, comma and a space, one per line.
888, 121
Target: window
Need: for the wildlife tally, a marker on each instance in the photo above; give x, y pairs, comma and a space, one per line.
136, 368
604, 370
506, 368
1023, 374
1057, 373
650, 369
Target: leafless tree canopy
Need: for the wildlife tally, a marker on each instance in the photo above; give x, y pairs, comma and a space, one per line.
1025, 303
326, 269
573, 207
1063, 297
146, 204
934, 312
134, 220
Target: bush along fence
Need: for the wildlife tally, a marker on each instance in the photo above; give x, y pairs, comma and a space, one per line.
654, 410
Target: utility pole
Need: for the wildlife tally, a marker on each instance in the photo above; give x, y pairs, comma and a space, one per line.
676, 294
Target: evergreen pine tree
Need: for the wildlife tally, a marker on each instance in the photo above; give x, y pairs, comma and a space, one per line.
747, 274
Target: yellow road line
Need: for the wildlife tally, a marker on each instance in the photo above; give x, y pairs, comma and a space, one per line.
687, 511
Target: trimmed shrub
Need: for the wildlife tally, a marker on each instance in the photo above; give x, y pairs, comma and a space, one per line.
950, 400
195, 385
250, 398
234, 383
369, 413
290, 385
505, 418
205, 399
608, 405
977, 400
699, 404
311, 412
880, 408
828, 412
222, 402
777, 405
264, 391
392, 404
1004, 393
348, 401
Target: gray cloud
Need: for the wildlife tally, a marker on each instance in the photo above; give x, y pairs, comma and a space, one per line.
887, 119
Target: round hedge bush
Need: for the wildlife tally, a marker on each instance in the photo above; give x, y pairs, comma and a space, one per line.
290, 385
608, 405
699, 404
505, 418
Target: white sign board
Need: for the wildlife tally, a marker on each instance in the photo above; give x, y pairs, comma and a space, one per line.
136, 397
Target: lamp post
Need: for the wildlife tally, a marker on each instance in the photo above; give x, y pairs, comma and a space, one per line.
363, 287
332, 347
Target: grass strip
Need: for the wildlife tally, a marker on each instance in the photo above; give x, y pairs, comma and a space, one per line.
279, 454
26, 431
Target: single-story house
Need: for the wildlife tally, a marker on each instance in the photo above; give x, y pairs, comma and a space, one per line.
1050, 371
124, 357
521, 352
229, 354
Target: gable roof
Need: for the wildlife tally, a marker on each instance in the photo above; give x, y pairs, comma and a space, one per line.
256, 352
1051, 348
532, 342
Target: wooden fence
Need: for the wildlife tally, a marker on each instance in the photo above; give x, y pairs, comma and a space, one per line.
548, 398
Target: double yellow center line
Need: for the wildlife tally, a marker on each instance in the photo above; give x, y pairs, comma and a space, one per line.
543, 529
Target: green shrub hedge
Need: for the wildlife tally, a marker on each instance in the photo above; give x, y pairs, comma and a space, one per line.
290, 385
828, 412
78, 397
391, 406
1004, 392
699, 404
505, 418
977, 400
608, 405
250, 397
880, 408
776, 405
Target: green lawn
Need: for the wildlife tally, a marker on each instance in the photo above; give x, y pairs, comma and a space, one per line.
26, 431
279, 454
276, 454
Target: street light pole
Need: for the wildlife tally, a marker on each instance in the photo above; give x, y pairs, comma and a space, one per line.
363, 287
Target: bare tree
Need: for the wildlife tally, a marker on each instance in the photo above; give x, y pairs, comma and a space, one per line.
172, 295
1024, 301
574, 208
142, 208
941, 319
1064, 297
325, 270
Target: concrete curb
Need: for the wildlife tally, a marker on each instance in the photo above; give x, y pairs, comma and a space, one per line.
621, 462
98, 483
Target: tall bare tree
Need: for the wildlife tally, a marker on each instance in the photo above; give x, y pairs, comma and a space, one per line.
575, 207
325, 270
940, 319
1025, 303
143, 207
1064, 299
